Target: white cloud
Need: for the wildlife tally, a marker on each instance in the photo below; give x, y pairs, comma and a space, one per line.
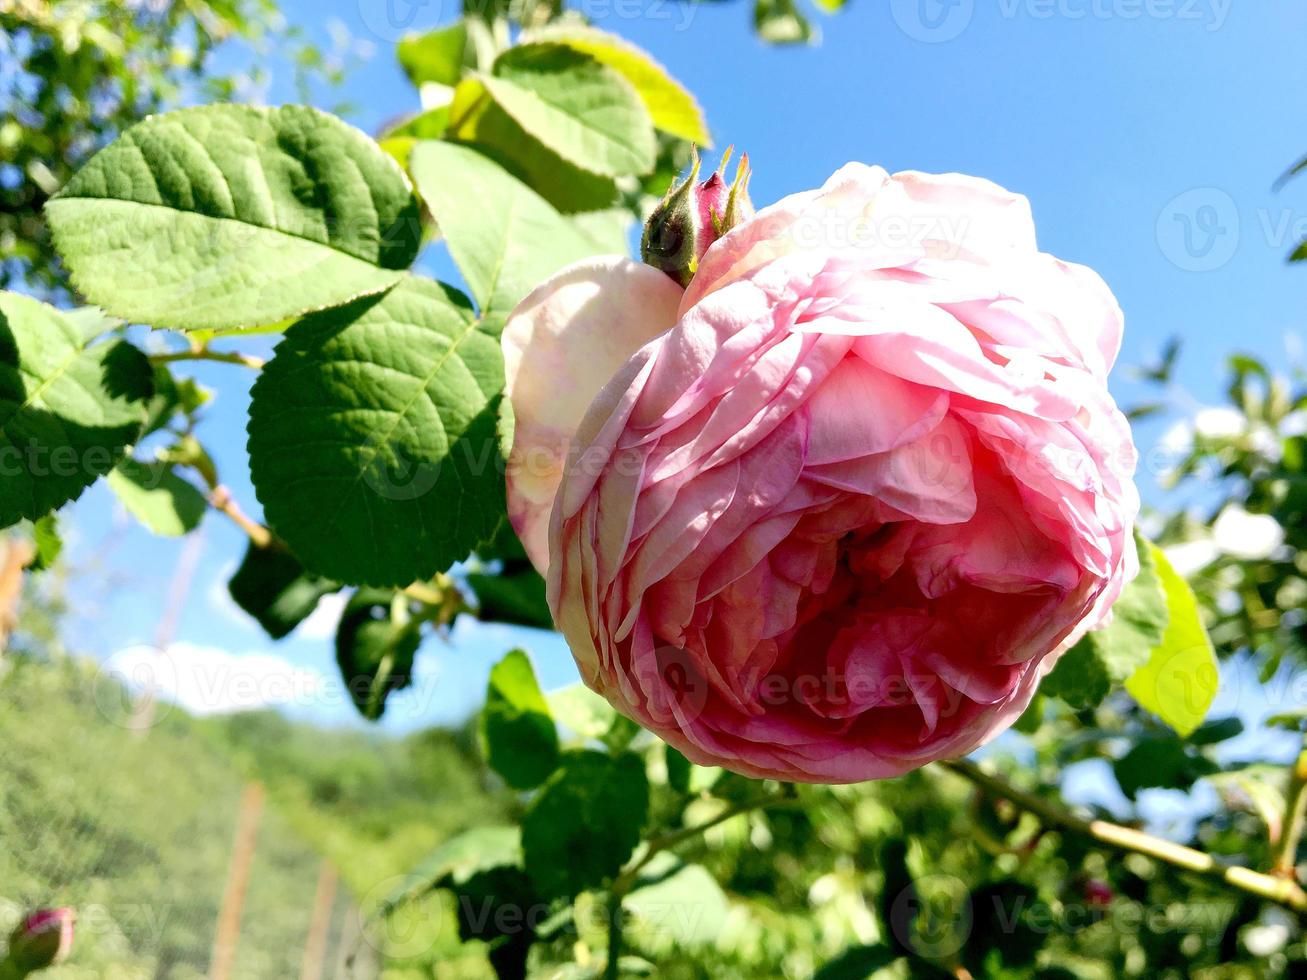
322, 622
211, 681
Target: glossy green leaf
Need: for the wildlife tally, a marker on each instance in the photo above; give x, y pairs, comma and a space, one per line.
273, 587
155, 495
585, 822
373, 440
67, 411
224, 217
504, 237
518, 731
1179, 681
671, 107
583, 110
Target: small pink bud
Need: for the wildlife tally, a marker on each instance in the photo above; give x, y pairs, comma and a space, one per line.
43, 939
694, 215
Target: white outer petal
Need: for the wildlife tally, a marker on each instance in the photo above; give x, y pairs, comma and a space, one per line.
562, 343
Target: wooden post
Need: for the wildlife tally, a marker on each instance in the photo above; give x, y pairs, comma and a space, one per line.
345, 945
315, 947
143, 711
238, 880
15, 555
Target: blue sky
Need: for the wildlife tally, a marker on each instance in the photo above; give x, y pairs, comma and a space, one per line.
1146, 133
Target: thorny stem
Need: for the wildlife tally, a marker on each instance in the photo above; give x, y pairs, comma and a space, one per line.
1269, 887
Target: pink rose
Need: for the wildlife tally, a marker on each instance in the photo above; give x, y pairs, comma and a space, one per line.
832, 511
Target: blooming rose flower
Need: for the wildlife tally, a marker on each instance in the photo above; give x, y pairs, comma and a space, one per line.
832, 511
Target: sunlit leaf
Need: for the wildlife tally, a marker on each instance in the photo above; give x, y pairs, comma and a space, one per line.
504, 237
67, 411
671, 107
519, 734
581, 109
1180, 679
228, 216
155, 495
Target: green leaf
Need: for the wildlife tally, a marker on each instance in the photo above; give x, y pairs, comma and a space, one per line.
67, 412
373, 442
608, 231
857, 963
581, 109
585, 822
457, 860
273, 587
1180, 679
172, 396
671, 107
581, 711
1104, 658
680, 902
1162, 762
1216, 731
48, 542
781, 22
520, 738
374, 650
477, 120
437, 56
1259, 789
224, 217
505, 238
516, 596
156, 496
679, 769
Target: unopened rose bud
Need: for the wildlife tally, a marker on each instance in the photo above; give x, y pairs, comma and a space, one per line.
692, 216
43, 939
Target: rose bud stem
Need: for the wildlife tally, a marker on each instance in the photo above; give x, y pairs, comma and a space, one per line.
694, 215
42, 939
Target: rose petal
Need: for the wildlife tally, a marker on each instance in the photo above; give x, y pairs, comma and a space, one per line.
561, 345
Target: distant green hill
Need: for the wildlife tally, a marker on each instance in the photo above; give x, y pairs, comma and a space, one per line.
136, 830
